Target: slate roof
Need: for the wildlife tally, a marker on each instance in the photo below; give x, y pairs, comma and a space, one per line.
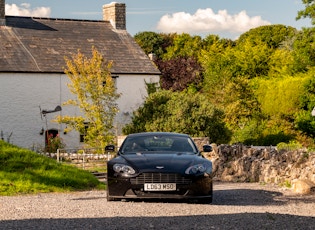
29, 44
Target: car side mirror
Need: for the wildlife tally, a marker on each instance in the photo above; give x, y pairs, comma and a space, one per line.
110, 148
207, 148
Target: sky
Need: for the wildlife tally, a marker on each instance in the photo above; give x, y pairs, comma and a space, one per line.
226, 18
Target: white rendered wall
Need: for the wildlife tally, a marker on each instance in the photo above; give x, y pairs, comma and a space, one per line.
22, 94
133, 93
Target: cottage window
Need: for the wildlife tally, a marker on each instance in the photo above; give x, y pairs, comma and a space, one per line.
114, 79
83, 134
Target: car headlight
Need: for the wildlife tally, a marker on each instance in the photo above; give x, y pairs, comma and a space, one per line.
199, 168
126, 169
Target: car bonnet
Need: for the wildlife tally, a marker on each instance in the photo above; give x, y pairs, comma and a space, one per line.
161, 162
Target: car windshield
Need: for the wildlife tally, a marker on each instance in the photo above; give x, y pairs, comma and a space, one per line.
167, 144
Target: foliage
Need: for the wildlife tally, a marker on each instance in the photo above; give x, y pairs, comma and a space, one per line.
281, 62
227, 80
304, 50
286, 184
151, 87
263, 82
305, 122
308, 12
214, 42
292, 145
307, 99
155, 43
180, 73
179, 112
250, 60
23, 171
96, 96
54, 143
271, 35
184, 45
256, 80
240, 103
233, 62
262, 132
280, 96
303, 118
249, 133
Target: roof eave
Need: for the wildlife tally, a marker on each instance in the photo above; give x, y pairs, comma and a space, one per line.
54, 72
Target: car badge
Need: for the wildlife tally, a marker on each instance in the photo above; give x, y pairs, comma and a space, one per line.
160, 167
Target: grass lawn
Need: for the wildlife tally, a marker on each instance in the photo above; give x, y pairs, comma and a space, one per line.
25, 172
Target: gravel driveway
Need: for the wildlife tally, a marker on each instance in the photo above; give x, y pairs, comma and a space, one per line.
235, 206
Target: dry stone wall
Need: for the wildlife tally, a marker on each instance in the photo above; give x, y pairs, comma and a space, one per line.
238, 163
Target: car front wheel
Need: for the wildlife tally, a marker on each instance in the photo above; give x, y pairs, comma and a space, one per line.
109, 198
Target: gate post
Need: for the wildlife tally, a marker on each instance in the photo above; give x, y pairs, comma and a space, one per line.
58, 153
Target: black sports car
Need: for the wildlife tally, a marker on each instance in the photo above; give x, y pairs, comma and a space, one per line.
159, 165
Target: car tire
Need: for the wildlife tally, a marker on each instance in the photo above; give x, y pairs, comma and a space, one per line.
205, 201
109, 198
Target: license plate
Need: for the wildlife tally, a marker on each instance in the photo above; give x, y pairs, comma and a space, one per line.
160, 187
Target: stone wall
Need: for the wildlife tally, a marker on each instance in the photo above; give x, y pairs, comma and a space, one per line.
201, 141
238, 163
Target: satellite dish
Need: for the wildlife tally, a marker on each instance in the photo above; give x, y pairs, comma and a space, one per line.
57, 109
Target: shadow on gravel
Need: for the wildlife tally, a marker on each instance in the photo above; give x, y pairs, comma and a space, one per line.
240, 197
226, 221
245, 197
233, 197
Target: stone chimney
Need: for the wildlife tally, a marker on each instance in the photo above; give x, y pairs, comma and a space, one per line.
2, 12
116, 14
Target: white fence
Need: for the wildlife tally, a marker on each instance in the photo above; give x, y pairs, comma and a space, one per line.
86, 158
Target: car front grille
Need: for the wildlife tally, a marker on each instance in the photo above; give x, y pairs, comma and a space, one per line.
160, 178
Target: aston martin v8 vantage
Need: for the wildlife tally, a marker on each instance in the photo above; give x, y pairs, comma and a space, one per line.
160, 165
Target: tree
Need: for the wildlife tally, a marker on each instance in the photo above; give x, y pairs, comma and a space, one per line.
227, 77
180, 73
272, 35
281, 62
184, 45
181, 112
308, 12
250, 60
304, 50
215, 43
91, 82
260, 82
280, 97
303, 118
155, 43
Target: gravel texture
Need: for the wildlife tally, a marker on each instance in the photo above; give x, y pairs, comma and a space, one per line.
235, 206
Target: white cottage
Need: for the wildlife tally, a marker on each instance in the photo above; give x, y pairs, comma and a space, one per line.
32, 80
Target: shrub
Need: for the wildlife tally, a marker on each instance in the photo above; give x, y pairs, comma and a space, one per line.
292, 145
180, 112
